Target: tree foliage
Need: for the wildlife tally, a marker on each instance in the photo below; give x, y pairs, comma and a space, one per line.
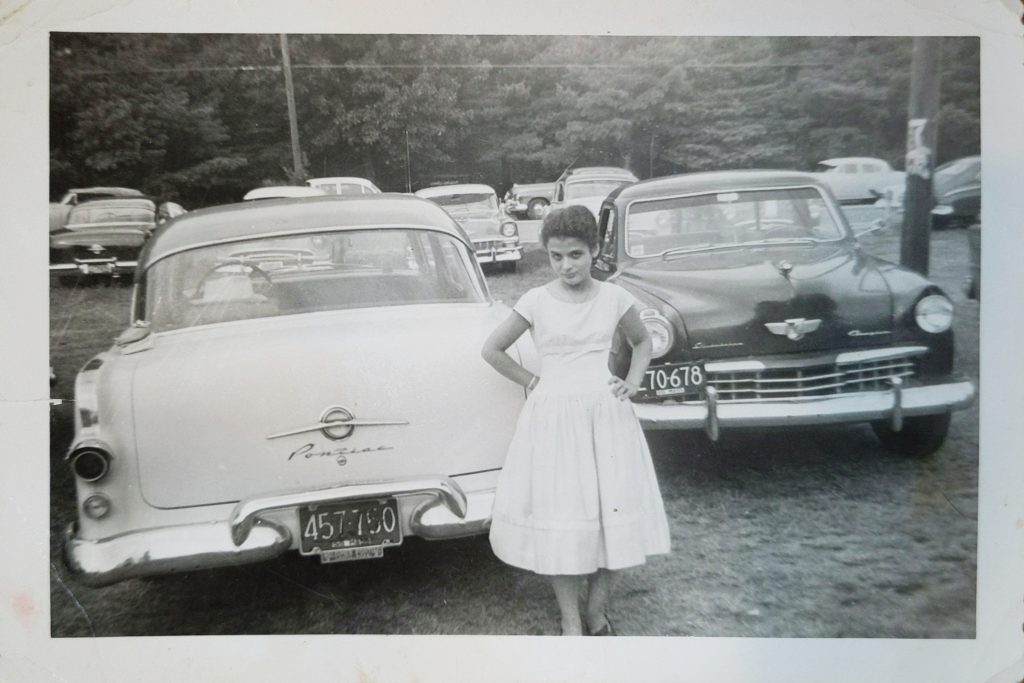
203, 118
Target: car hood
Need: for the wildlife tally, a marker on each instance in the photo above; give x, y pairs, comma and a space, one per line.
207, 400
723, 300
479, 224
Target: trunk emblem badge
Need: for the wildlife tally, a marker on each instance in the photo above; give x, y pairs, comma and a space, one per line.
794, 328
785, 267
338, 422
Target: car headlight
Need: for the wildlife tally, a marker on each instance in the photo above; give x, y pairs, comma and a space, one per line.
509, 229
934, 313
662, 333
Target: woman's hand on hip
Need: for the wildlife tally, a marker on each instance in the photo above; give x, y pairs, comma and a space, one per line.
622, 389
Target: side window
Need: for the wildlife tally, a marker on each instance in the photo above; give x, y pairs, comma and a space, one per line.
848, 168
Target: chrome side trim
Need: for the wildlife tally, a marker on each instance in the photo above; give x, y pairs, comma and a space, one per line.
166, 550
247, 512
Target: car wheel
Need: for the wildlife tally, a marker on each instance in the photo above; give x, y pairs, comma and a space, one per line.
921, 436
535, 209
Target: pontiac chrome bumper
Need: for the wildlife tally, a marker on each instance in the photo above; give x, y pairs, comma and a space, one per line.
167, 550
259, 529
893, 404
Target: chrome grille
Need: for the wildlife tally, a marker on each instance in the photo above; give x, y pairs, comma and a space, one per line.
808, 378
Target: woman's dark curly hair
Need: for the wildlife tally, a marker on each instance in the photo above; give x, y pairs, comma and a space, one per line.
572, 221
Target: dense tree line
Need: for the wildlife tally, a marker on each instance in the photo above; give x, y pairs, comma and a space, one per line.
203, 118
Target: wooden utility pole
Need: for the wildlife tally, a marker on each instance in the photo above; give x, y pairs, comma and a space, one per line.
293, 122
408, 164
920, 163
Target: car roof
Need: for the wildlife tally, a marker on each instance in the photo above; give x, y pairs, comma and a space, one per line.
614, 171
448, 190
835, 161
278, 191
272, 217
140, 202
341, 179
713, 181
112, 191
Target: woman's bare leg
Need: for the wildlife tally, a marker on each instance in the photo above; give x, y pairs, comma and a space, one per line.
567, 592
600, 588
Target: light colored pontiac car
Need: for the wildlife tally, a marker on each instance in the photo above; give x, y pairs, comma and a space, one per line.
495, 236
858, 180
299, 374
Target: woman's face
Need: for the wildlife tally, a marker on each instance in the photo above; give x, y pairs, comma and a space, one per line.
570, 258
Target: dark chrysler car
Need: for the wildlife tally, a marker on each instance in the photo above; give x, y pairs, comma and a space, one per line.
765, 312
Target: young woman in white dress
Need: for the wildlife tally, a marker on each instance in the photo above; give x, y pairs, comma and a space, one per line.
578, 496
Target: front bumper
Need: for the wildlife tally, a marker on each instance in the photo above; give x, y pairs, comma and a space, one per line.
892, 405
265, 527
499, 255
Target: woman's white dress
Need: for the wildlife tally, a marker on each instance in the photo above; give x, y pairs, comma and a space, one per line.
578, 490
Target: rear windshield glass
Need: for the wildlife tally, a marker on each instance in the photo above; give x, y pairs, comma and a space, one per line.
729, 218
307, 273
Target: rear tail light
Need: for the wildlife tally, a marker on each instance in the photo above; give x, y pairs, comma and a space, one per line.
96, 506
90, 461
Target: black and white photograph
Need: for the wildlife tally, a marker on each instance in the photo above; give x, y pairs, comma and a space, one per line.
673, 337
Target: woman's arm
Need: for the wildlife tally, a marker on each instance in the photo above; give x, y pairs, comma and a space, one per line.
494, 351
640, 341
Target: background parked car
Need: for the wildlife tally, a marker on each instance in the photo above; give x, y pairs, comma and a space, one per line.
101, 237
764, 312
354, 327
345, 186
59, 211
588, 186
858, 180
528, 200
956, 186
495, 236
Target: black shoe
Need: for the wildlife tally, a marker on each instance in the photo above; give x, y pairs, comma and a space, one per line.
606, 629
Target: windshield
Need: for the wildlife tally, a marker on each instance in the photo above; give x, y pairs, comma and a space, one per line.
592, 188
728, 219
467, 203
306, 273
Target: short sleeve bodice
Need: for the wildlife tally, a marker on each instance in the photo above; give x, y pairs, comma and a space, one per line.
560, 327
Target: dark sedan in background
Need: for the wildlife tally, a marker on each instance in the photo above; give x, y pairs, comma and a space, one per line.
765, 312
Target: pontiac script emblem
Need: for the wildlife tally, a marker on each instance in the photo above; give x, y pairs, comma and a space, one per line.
338, 422
794, 328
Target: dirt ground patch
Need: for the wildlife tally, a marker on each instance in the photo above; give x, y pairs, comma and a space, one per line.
797, 533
